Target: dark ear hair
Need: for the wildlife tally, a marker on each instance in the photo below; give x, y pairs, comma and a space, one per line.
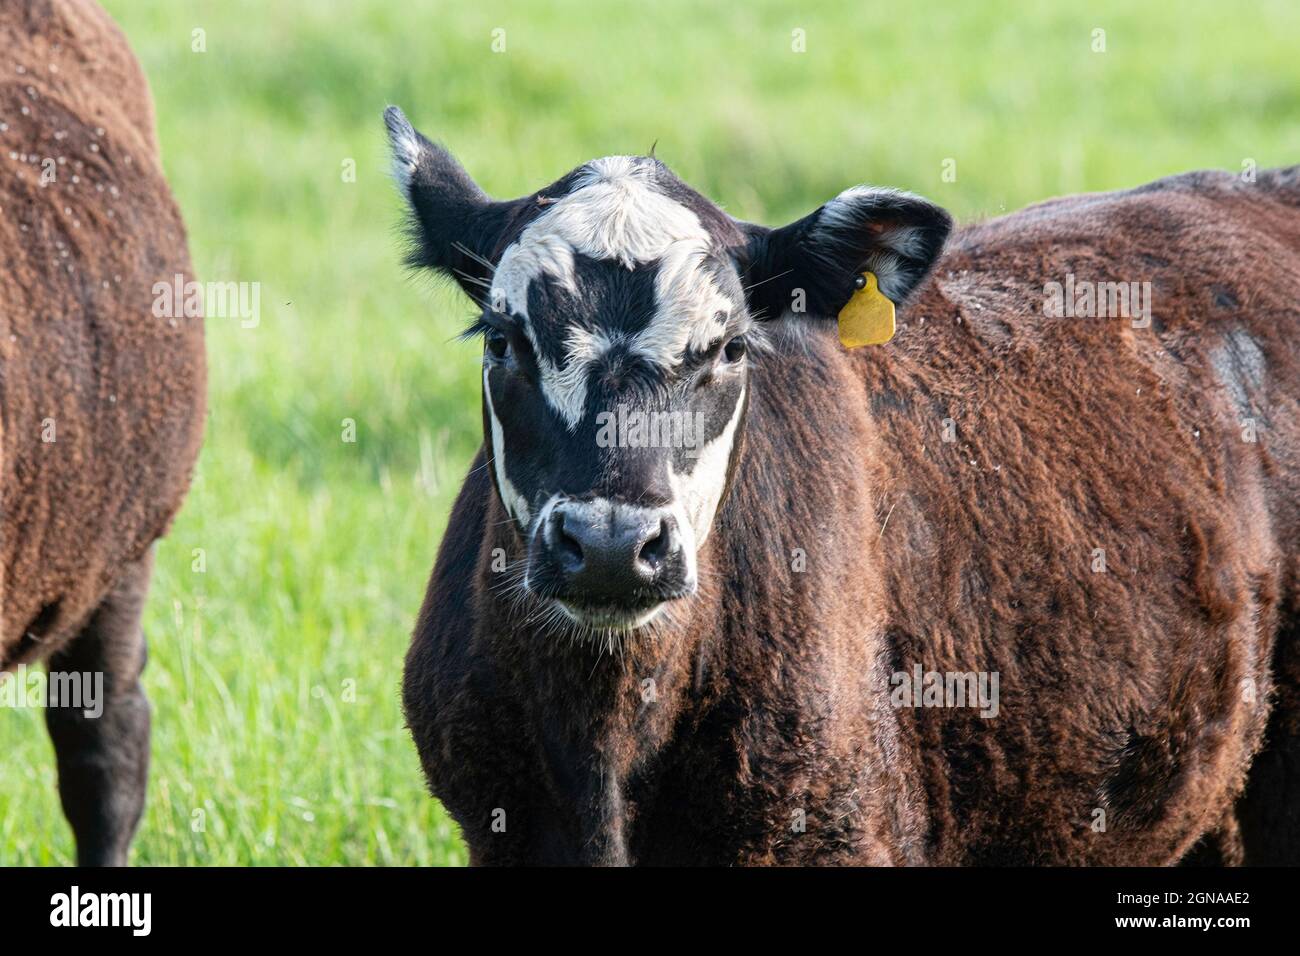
894, 234
455, 228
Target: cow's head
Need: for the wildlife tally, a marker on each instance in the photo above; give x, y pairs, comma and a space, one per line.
620, 313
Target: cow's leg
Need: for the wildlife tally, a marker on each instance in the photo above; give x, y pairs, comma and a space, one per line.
1220, 847
104, 760
1269, 809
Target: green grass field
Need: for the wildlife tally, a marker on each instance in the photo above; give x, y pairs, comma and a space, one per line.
274, 675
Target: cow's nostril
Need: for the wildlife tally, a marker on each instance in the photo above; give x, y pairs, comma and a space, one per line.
567, 547
655, 548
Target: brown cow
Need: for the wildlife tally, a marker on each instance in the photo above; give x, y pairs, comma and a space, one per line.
1018, 587
101, 393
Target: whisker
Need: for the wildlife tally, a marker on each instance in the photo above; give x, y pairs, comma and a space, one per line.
477, 280
474, 255
768, 279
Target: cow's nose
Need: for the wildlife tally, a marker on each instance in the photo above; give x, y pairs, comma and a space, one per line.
607, 552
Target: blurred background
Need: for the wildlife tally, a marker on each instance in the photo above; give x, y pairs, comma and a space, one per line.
274, 671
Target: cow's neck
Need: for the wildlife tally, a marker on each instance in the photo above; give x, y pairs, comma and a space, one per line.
602, 711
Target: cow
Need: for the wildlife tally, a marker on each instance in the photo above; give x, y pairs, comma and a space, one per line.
1018, 587
101, 396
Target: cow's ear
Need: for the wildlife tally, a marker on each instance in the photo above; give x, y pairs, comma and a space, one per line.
811, 265
454, 227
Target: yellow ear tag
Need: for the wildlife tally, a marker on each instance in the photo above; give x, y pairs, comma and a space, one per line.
868, 317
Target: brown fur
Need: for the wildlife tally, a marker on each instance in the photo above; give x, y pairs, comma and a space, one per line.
1126, 691
80, 345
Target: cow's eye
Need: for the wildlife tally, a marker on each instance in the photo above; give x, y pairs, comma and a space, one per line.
734, 350
497, 344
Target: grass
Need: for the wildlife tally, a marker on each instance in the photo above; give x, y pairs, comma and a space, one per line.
275, 672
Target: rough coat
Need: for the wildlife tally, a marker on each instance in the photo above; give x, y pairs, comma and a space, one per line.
1142, 691
79, 343
101, 400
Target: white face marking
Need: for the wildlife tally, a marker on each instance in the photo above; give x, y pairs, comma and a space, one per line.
516, 504
615, 212
691, 310
697, 493
566, 388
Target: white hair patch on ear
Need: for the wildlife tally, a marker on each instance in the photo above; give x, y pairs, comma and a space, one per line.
405, 145
845, 211
892, 279
907, 241
843, 221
